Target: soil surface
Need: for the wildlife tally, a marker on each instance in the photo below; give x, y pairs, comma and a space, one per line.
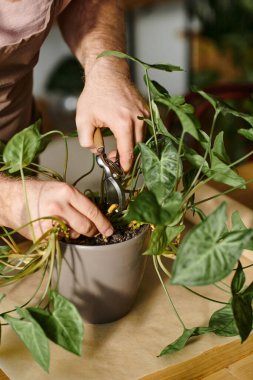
121, 233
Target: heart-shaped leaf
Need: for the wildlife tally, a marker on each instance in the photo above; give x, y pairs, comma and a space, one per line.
22, 148
32, 335
223, 323
164, 171
213, 255
63, 325
179, 343
145, 208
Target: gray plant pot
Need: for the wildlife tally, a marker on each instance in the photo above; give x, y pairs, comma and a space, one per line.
103, 281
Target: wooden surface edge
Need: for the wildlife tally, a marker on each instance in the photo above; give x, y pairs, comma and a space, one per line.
206, 363
3, 376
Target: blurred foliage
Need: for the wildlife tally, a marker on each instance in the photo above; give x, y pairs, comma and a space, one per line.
66, 77
229, 23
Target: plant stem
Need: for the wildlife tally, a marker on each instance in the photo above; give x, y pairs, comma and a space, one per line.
53, 172
219, 287
33, 295
151, 110
66, 149
241, 159
55, 131
178, 157
247, 266
217, 112
163, 267
66, 159
222, 193
202, 183
51, 258
15, 247
84, 175
166, 292
59, 263
206, 298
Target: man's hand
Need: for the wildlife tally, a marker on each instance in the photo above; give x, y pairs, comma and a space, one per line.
109, 99
49, 198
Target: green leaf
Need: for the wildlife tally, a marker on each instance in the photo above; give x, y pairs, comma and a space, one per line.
242, 310
213, 255
220, 172
32, 335
247, 133
161, 129
179, 100
199, 212
158, 121
223, 323
2, 295
211, 99
158, 241
204, 139
238, 225
63, 325
119, 54
145, 208
173, 231
164, 171
226, 109
196, 160
238, 280
202, 330
188, 178
164, 67
158, 66
219, 148
155, 88
241, 115
179, 343
248, 292
22, 148
184, 113
161, 237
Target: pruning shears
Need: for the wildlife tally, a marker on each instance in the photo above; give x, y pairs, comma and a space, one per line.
113, 174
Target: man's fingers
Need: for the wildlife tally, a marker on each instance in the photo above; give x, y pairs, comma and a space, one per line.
139, 130
113, 155
124, 135
88, 210
79, 223
85, 131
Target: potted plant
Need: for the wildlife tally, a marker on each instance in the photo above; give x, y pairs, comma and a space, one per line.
172, 173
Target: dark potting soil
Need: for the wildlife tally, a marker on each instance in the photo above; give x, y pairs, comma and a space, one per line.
121, 233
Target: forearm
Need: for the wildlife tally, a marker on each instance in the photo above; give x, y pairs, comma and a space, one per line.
92, 26
9, 187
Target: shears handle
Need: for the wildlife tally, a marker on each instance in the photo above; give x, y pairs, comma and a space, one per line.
99, 141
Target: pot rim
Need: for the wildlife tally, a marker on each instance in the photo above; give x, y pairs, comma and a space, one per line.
108, 246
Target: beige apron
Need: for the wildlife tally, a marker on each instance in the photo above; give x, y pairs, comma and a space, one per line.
17, 59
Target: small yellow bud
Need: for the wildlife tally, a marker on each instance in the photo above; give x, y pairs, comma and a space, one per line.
112, 208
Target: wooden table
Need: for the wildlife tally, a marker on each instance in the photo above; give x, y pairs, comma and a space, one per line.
127, 349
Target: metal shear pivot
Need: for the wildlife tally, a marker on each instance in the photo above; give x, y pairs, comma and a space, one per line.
113, 174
